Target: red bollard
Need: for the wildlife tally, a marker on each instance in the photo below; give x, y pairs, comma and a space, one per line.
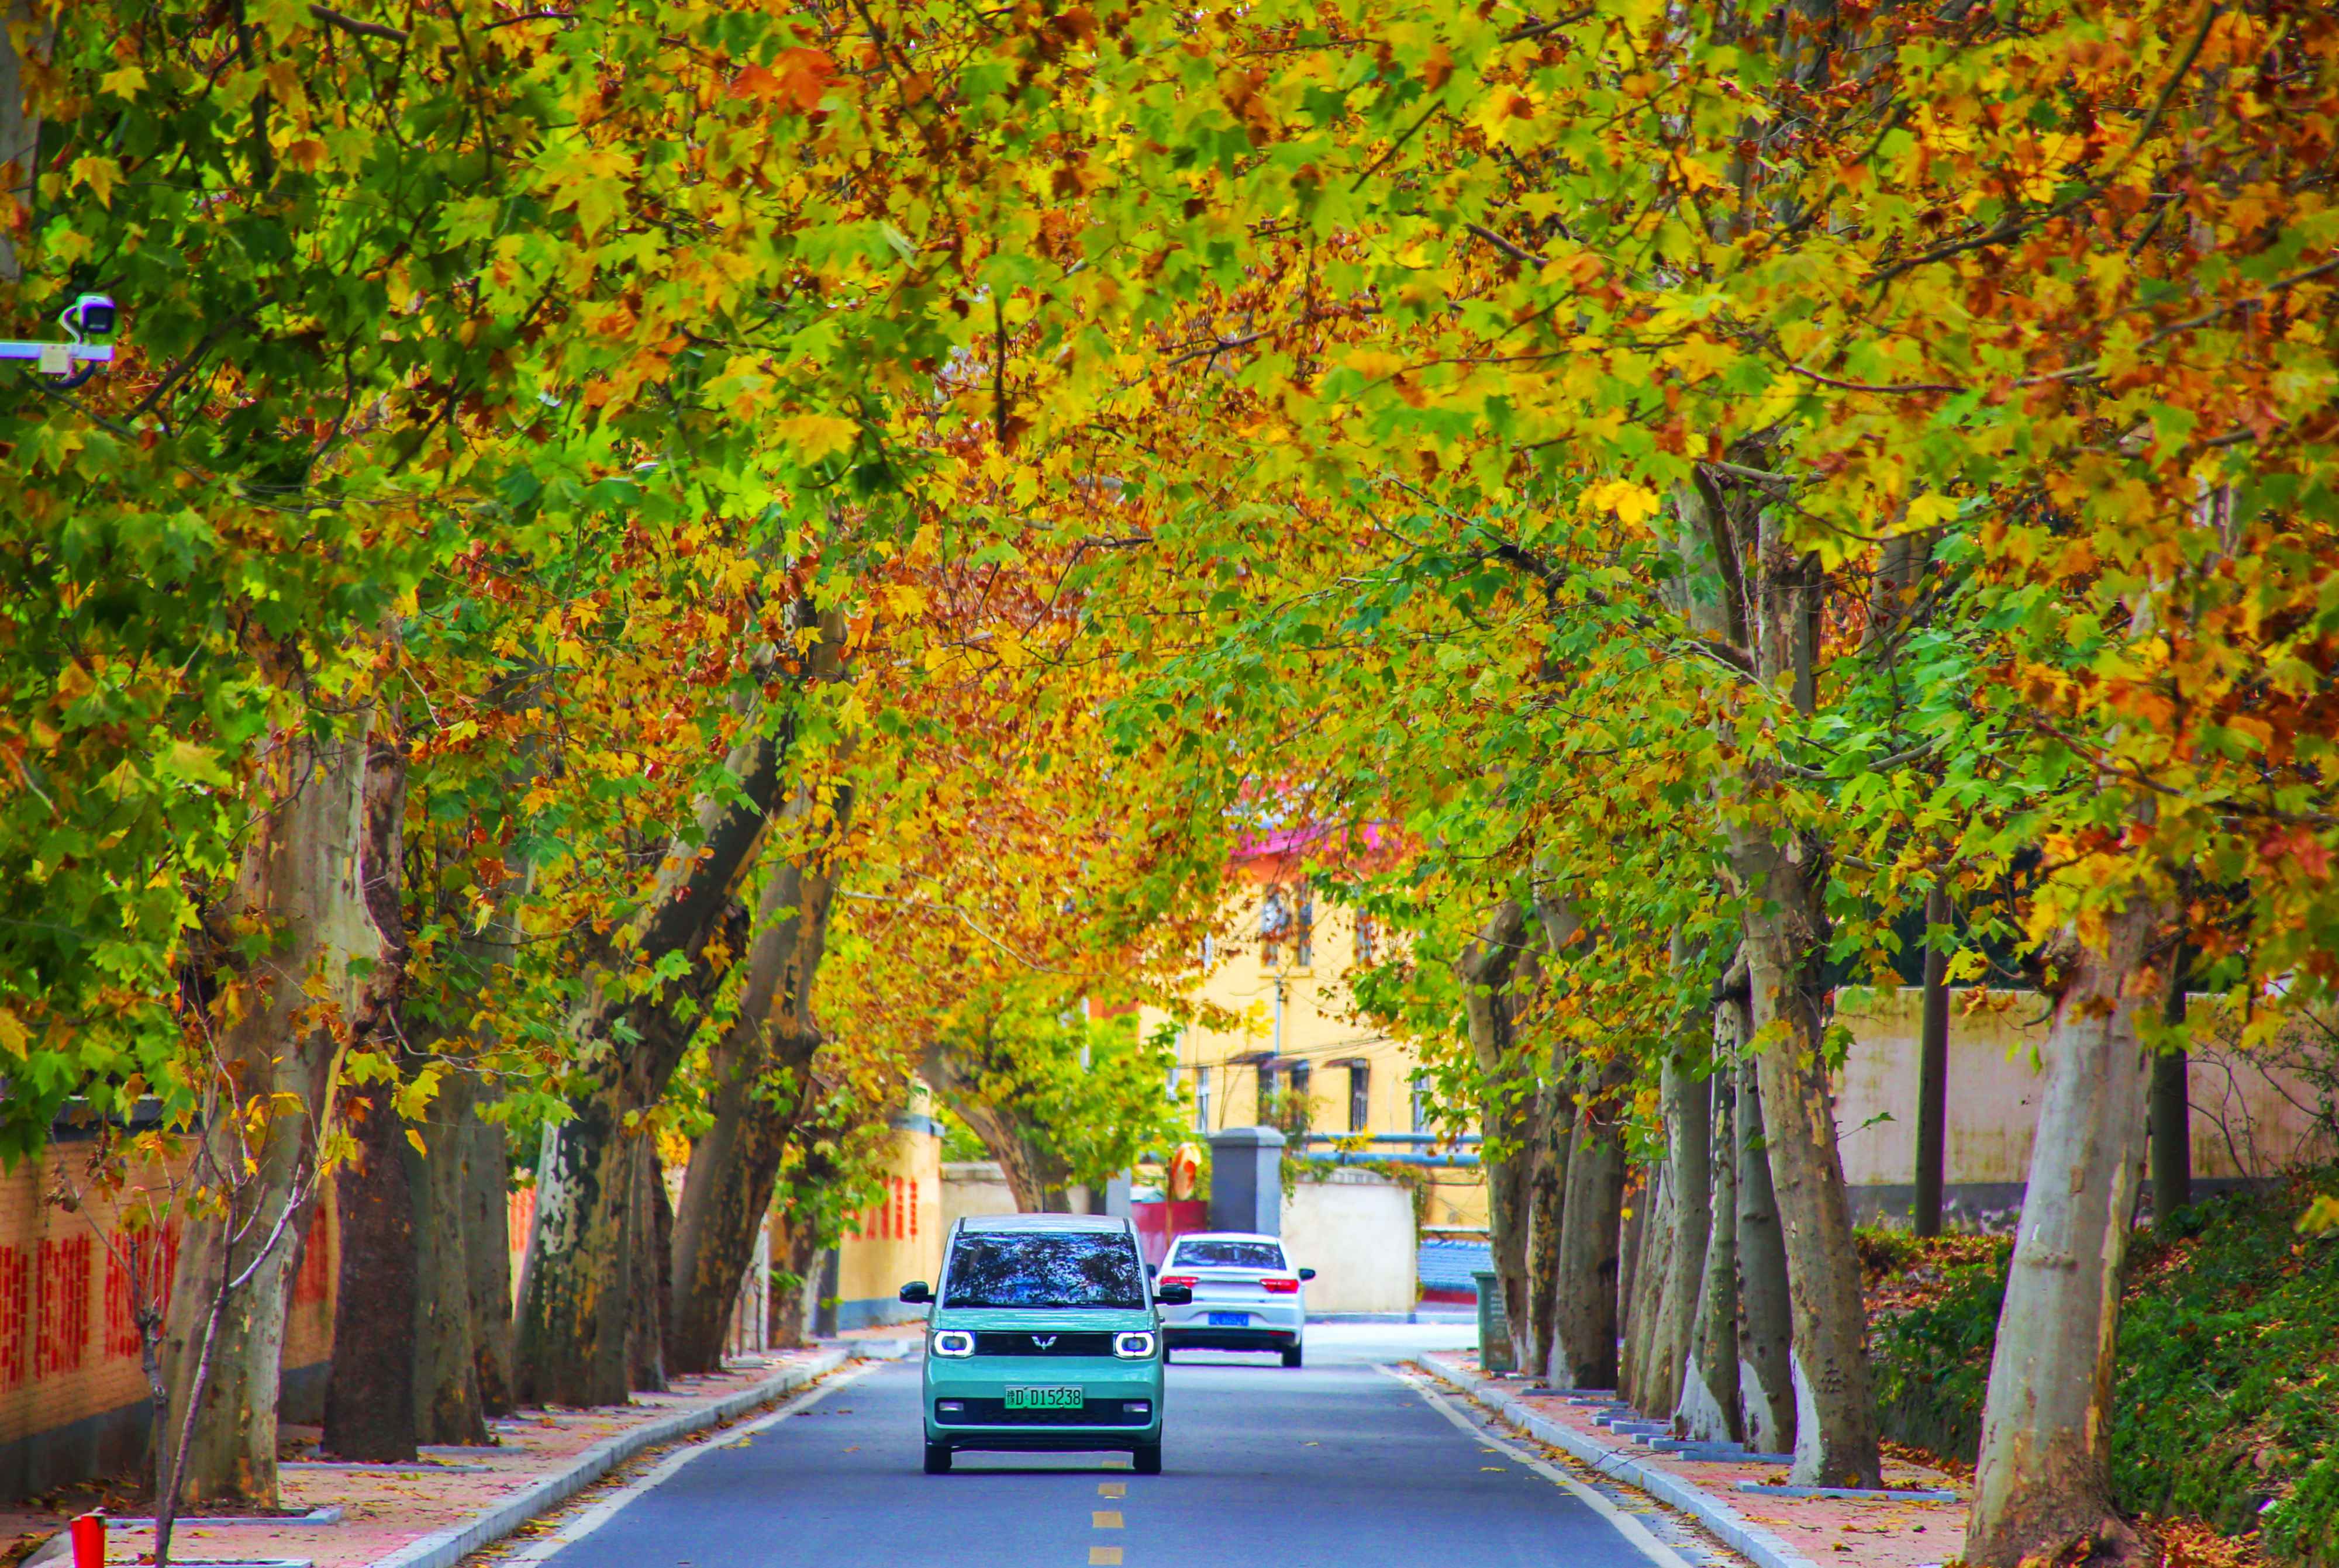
89, 1541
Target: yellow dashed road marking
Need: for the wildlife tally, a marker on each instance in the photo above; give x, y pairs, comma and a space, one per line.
1105, 1519
1104, 1557
1112, 1488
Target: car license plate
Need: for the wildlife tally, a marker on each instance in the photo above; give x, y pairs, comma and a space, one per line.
1053, 1398
1229, 1319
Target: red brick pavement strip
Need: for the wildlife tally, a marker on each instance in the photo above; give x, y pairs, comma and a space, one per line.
1827, 1532
392, 1514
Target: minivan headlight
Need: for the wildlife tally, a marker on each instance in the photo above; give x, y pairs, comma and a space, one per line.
1135, 1346
954, 1342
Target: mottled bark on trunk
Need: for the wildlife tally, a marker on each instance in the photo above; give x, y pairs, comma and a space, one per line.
20, 131
1708, 1407
447, 1407
369, 1411
1766, 1383
649, 1220
1645, 1290
369, 1386
1933, 1072
571, 1338
1555, 1119
1835, 1405
2042, 1487
1546, 1205
1584, 1349
1689, 1173
1487, 969
798, 1255
487, 1259
299, 889
761, 1069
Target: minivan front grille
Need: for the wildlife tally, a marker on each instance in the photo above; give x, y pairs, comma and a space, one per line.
1001, 1342
1095, 1413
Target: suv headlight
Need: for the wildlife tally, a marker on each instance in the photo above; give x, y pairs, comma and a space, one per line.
953, 1342
1135, 1346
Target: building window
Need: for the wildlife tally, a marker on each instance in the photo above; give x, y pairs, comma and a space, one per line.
1420, 1107
1274, 925
1360, 1098
1266, 1095
1201, 1099
1303, 935
1365, 936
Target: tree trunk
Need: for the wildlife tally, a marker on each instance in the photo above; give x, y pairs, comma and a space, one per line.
1487, 969
575, 1289
446, 1405
1835, 1427
761, 1072
1780, 870
1546, 1205
798, 1255
2042, 1487
300, 884
1688, 1112
370, 1387
649, 1221
2172, 1112
487, 1259
369, 1410
1645, 1288
1708, 1407
20, 131
1583, 1353
1933, 1070
1765, 1366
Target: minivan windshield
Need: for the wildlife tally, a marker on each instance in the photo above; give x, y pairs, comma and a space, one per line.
1229, 1255
1043, 1269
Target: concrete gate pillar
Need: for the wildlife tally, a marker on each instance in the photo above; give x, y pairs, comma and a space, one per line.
1246, 1179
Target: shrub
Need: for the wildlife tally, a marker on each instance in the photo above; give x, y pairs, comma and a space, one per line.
2225, 1404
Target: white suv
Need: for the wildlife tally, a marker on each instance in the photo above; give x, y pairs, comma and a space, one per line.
1247, 1295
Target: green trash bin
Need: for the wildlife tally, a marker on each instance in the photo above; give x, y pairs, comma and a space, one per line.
1495, 1352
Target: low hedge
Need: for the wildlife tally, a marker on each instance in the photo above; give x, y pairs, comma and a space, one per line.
2226, 1407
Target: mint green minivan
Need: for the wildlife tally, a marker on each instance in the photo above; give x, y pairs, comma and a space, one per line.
1043, 1335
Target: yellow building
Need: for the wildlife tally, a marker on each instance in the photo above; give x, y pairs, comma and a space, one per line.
1300, 1058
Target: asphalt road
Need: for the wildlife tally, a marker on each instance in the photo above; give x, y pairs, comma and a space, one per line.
1333, 1465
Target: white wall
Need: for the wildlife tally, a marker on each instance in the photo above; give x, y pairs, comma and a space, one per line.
1355, 1230
971, 1186
2250, 1115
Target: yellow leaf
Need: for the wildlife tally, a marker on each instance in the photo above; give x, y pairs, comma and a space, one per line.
1931, 509
415, 1139
125, 83
815, 436
100, 174
13, 1038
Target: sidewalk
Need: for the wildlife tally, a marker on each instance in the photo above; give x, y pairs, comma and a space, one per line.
1770, 1530
430, 1515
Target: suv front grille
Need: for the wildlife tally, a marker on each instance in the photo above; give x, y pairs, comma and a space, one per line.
1001, 1342
1095, 1413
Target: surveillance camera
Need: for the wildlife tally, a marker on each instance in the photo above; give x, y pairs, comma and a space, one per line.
92, 316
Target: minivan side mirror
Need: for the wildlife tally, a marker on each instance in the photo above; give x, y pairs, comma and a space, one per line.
1174, 1295
917, 1293
1306, 1274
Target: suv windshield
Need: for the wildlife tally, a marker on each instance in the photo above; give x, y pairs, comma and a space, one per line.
1039, 1268
1230, 1254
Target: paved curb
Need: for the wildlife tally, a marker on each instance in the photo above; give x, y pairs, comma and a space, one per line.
452, 1545
1741, 1535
